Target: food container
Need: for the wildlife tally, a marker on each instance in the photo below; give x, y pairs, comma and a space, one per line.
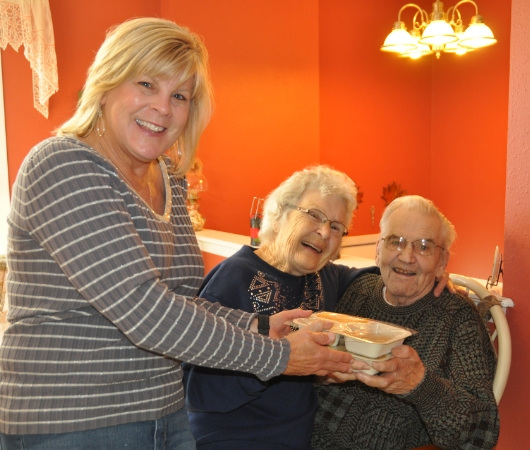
303, 322
373, 349
364, 337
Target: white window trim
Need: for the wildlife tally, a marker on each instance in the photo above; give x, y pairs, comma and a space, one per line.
4, 174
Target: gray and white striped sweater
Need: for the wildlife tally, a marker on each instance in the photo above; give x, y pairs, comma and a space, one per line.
101, 300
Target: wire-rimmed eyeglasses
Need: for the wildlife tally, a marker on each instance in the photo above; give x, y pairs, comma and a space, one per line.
424, 247
320, 217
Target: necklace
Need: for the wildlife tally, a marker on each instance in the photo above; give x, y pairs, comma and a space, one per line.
137, 187
149, 187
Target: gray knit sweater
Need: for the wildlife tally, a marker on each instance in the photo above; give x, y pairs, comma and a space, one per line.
453, 407
101, 300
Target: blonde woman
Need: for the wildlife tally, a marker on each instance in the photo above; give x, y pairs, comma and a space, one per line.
104, 265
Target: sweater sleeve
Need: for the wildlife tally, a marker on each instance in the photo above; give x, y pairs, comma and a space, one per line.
458, 408
214, 390
69, 203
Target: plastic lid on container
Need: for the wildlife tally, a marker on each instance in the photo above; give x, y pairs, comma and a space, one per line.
361, 328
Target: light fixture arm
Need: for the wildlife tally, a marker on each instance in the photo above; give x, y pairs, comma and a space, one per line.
423, 14
418, 26
451, 13
461, 2
456, 10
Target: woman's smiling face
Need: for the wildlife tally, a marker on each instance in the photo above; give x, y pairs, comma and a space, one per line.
303, 245
144, 116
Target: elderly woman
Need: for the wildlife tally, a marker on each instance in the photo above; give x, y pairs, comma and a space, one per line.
104, 264
437, 389
304, 220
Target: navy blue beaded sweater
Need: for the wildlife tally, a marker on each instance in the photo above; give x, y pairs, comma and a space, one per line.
237, 411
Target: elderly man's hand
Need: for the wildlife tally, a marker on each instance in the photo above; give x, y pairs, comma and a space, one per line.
339, 377
310, 353
399, 375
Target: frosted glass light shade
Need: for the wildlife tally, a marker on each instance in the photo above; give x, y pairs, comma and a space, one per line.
399, 41
422, 50
477, 35
419, 51
455, 47
438, 32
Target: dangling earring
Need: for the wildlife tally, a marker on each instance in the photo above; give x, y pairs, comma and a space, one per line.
100, 118
179, 152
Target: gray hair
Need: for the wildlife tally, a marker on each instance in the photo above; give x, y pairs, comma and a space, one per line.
320, 178
425, 207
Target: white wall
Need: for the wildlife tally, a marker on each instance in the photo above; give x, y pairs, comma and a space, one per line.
4, 178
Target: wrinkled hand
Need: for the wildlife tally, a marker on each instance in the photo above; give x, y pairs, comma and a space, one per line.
399, 375
445, 281
454, 289
310, 353
277, 322
339, 377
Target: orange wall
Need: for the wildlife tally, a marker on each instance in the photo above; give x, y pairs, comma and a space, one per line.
264, 60
469, 139
515, 406
374, 108
437, 127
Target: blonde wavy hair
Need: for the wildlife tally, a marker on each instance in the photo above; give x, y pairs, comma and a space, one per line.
157, 48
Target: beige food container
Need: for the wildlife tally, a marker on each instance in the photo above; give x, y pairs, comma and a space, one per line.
365, 337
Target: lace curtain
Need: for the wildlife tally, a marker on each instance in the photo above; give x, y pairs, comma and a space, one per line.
29, 22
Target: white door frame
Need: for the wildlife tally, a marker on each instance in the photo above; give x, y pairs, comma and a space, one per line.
4, 174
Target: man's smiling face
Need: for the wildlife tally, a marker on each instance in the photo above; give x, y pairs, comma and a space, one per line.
409, 276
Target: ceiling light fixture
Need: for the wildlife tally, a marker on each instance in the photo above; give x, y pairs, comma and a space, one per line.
437, 33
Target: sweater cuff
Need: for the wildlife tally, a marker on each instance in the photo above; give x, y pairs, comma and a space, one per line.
428, 389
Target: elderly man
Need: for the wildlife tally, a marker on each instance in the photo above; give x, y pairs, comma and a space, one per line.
437, 388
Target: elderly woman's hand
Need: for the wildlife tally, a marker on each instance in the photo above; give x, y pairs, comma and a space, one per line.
399, 375
445, 281
311, 354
